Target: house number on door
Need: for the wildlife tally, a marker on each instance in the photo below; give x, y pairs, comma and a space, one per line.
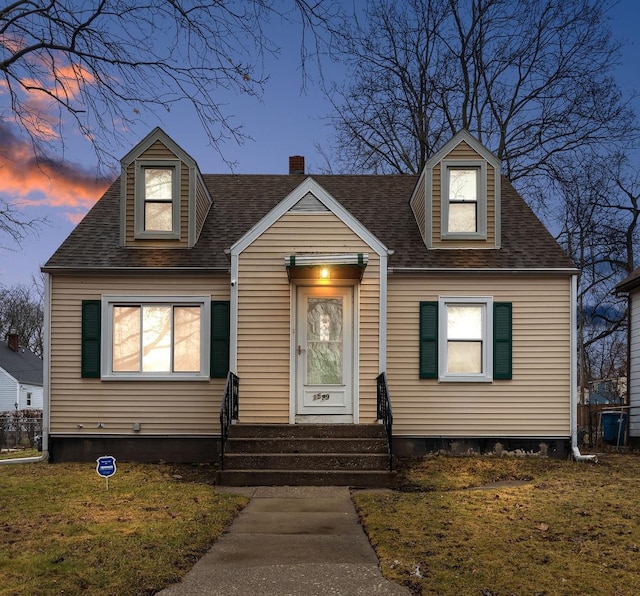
320, 396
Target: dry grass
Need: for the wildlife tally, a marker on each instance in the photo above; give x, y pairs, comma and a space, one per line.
567, 529
62, 531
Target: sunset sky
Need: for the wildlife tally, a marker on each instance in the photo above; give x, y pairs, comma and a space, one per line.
287, 121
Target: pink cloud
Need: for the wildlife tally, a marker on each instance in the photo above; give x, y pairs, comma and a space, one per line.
44, 181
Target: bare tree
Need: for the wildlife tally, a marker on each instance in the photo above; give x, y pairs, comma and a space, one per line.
530, 79
600, 230
14, 223
97, 66
22, 311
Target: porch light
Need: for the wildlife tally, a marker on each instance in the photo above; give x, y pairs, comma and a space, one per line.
326, 267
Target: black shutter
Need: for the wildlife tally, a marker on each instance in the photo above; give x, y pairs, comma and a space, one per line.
220, 321
90, 365
502, 340
428, 340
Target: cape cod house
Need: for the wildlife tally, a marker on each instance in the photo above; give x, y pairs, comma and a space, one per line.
631, 287
321, 295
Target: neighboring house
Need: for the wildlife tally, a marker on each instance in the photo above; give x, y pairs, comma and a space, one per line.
607, 391
20, 376
631, 286
308, 287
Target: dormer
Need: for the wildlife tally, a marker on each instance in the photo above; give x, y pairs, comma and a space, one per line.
164, 201
456, 202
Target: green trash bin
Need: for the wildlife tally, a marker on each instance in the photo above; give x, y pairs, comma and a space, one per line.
614, 427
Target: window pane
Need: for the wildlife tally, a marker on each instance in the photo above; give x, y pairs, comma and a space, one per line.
156, 338
158, 184
464, 321
126, 338
324, 341
464, 357
158, 217
462, 217
186, 339
463, 185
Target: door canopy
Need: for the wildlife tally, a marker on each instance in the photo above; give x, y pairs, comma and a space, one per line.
326, 267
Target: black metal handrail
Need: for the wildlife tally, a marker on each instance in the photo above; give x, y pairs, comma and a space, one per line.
384, 411
228, 411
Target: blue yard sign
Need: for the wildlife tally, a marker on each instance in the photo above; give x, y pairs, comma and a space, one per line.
106, 467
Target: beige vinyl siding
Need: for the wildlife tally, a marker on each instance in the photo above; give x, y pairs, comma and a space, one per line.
203, 203
462, 151
264, 309
157, 151
535, 403
419, 208
169, 407
634, 365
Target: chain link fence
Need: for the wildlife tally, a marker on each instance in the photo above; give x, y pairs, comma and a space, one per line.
20, 430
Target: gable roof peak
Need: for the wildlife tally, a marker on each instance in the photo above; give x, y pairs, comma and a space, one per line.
158, 134
463, 135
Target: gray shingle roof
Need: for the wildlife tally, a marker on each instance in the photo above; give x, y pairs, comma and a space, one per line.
23, 365
380, 203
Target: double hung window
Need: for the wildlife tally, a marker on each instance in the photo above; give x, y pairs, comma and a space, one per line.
465, 339
464, 196
157, 199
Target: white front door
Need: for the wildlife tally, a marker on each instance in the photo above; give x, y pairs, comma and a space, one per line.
324, 353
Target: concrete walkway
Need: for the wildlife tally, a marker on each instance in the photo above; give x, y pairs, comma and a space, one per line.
296, 541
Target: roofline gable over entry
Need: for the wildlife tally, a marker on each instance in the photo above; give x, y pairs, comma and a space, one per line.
309, 185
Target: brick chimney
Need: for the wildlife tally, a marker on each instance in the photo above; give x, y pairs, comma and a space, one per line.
296, 164
12, 340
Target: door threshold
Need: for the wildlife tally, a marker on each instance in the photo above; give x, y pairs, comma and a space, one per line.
324, 419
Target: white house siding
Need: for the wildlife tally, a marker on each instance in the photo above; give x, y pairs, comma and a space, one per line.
634, 365
169, 407
535, 403
12, 393
8, 391
36, 396
264, 310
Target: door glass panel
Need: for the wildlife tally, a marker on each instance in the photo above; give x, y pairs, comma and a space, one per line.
324, 341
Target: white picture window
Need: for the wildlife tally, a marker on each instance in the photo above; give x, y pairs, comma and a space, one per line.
150, 338
465, 341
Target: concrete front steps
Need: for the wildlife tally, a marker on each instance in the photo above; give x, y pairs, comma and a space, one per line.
307, 455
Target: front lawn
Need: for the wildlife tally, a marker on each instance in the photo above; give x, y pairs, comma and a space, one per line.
63, 532
514, 525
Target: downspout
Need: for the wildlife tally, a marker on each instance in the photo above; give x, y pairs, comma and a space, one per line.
45, 385
573, 418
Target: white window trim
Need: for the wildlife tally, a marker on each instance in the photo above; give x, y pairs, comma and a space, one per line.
109, 301
487, 339
481, 196
141, 165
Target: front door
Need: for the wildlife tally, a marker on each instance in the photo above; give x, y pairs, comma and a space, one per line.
324, 354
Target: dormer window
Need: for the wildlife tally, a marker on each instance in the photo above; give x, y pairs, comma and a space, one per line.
464, 200
157, 199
